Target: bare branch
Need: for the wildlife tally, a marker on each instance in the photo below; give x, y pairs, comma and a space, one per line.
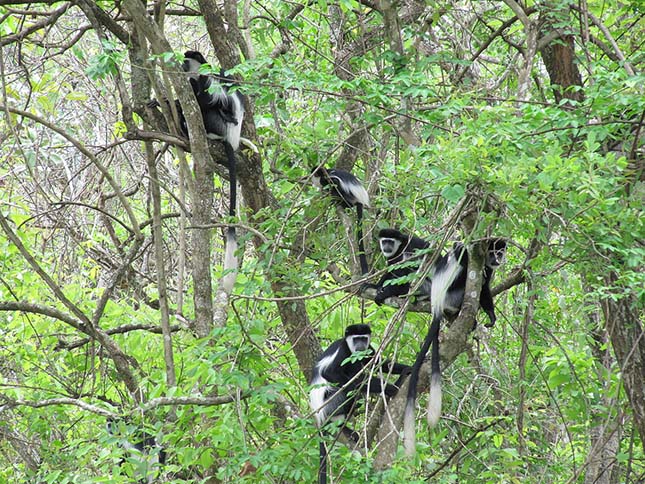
203, 401
150, 328
27, 307
20, 36
10, 403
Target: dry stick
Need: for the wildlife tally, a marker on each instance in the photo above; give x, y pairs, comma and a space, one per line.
157, 236
463, 446
528, 319
489, 41
150, 328
60, 401
181, 261
605, 31
19, 36
58, 292
134, 225
172, 119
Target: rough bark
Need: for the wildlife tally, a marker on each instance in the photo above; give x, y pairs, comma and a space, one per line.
559, 54
605, 433
624, 323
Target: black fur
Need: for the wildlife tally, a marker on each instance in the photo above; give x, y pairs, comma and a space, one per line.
408, 250
336, 392
223, 113
447, 296
348, 191
144, 449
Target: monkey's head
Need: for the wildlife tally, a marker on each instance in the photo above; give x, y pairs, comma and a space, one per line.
496, 253
192, 61
391, 241
358, 337
319, 176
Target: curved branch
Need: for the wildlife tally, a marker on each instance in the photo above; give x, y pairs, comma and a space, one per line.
203, 401
56, 401
605, 31
20, 36
92, 207
151, 328
27, 307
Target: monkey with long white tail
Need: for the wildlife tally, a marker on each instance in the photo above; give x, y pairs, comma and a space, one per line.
339, 382
223, 114
448, 284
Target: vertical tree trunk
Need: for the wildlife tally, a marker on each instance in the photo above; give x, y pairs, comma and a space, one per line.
559, 54
624, 324
605, 434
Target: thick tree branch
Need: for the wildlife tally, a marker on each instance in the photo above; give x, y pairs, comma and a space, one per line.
27, 307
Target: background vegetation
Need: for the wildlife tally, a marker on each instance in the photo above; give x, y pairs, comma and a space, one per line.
464, 119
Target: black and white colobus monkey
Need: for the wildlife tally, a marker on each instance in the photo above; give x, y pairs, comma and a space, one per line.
449, 275
348, 191
336, 388
148, 455
222, 112
397, 248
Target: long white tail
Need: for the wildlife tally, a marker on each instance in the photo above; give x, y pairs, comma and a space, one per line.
434, 401
409, 437
230, 261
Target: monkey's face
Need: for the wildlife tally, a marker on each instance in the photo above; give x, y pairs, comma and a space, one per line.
358, 342
389, 247
496, 253
316, 180
190, 66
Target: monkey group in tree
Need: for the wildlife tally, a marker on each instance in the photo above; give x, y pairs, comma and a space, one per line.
341, 376
444, 285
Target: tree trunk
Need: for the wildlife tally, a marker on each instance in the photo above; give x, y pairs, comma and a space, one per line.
624, 324
605, 434
559, 54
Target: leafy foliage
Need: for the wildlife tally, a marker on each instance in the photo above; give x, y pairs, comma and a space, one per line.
564, 177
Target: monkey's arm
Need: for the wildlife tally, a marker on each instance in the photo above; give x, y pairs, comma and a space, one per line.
486, 302
376, 385
384, 291
396, 368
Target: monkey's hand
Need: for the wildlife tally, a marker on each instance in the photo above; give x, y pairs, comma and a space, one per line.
378, 299
492, 318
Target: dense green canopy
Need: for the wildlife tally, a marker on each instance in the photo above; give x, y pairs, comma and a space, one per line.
463, 120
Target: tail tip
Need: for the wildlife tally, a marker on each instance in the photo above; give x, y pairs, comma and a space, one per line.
409, 432
434, 401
